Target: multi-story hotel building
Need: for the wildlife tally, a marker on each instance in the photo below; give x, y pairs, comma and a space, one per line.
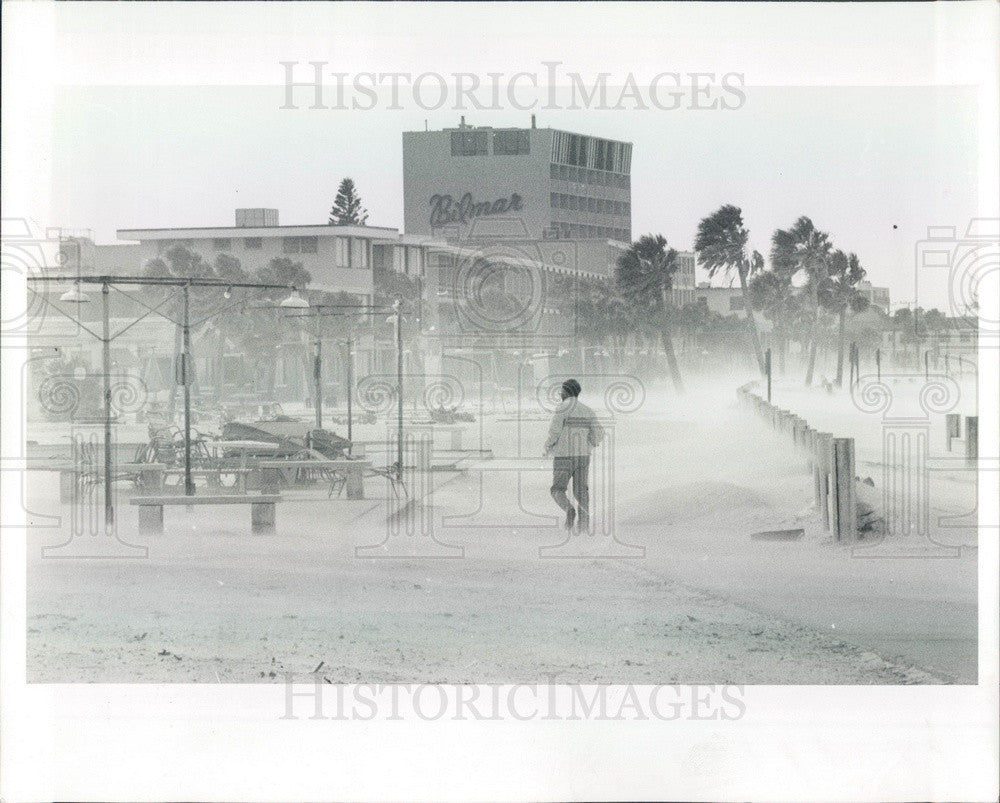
523, 183
338, 258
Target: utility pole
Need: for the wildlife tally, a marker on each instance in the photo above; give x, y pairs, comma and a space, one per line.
767, 368
109, 510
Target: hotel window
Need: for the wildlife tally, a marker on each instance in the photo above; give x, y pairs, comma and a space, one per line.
468, 143
253, 243
222, 244
359, 252
554, 199
162, 246
511, 143
299, 245
398, 261
341, 253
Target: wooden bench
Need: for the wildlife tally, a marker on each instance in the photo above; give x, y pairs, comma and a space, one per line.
71, 476
262, 513
354, 471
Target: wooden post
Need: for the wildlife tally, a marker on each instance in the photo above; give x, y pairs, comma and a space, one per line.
798, 432
845, 521
952, 428
767, 366
821, 474
971, 439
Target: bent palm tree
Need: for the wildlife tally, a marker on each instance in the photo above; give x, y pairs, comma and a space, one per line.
644, 274
839, 294
804, 249
721, 245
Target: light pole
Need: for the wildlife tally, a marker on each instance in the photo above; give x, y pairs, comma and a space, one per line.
186, 376
105, 337
109, 510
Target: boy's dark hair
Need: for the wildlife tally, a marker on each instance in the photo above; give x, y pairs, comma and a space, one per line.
571, 388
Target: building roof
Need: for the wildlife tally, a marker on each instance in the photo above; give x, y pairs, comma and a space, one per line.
315, 230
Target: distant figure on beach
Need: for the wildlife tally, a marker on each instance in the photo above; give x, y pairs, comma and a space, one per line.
573, 435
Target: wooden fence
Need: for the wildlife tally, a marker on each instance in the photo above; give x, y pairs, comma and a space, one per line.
828, 458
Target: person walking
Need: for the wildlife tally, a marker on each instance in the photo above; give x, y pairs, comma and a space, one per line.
573, 435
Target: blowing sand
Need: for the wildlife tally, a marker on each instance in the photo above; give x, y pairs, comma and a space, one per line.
703, 604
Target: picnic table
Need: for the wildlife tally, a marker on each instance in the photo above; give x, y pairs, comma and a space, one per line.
352, 470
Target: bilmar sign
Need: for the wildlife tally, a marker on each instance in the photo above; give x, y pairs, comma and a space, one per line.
446, 210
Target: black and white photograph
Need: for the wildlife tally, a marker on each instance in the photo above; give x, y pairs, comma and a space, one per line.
500, 401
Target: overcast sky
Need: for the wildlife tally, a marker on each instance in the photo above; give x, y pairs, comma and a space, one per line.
872, 166
161, 117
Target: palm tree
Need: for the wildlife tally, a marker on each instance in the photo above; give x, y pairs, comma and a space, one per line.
176, 262
721, 245
270, 328
839, 294
771, 293
601, 318
644, 274
804, 250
